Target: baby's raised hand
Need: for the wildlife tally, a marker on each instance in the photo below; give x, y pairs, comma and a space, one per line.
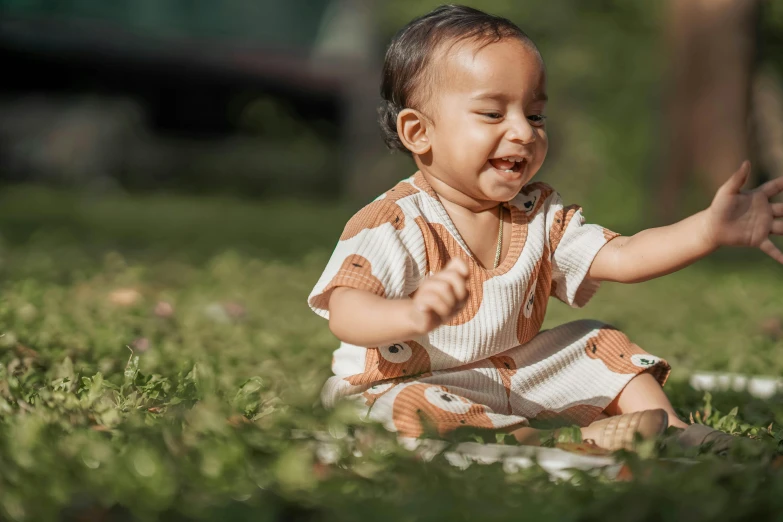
439, 297
738, 218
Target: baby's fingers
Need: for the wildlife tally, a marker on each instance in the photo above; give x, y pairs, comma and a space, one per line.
437, 297
457, 265
777, 210
777, 227
456, 282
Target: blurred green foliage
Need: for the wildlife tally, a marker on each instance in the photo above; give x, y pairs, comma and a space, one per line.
114, 407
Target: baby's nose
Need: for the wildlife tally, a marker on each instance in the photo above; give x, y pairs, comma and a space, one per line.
521, 131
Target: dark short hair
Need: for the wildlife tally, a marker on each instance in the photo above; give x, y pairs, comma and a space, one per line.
410, 51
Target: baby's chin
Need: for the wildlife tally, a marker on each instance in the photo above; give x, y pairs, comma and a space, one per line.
502, 186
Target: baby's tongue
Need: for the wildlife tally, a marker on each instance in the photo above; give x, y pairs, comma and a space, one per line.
501, 164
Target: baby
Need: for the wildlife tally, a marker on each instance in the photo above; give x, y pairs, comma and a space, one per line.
438, 288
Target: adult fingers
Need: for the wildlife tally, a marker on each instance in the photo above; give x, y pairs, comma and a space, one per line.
777, 227
735, 182
772, 187
777, 209
769, 248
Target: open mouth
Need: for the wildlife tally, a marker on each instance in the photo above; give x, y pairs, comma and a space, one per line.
508, 164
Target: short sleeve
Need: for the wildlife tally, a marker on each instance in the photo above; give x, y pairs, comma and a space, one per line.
573, 246
373, 254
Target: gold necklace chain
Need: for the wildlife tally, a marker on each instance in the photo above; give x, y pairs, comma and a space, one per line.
500, 237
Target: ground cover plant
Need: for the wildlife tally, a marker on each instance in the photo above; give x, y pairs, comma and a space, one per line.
158, 362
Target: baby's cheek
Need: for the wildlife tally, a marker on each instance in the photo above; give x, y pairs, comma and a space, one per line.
541, 148
473, 143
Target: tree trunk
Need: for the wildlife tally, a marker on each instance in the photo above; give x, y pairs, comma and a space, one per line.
768, 122
712, 48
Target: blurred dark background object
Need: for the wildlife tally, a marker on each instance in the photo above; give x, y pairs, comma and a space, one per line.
652, 107
254, 96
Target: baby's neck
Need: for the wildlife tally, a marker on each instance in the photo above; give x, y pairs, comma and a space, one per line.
457, 201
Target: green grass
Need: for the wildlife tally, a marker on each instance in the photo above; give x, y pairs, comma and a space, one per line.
214, 415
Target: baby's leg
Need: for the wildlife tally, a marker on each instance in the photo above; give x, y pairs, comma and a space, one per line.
533, 437
643, 392
528, 436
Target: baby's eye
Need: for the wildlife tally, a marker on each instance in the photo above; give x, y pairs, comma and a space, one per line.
493, 115
537, 119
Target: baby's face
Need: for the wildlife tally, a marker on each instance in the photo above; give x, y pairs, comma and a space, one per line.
487, 104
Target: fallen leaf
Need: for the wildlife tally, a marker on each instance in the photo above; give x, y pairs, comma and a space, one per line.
234, 310
217, 313
125, 296
625, 474
321, 470
164, 309
25, 352
224, 312
238, 420
142, 344
772, 327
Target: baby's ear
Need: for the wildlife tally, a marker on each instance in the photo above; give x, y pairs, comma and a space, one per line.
412, 129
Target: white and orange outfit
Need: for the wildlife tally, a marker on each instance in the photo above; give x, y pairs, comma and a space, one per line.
490, 366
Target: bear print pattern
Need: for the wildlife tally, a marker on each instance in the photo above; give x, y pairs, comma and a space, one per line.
581, 415
435, 405
532, 197
356, 271
531, 315
441, 246
560, 224
506, 369
403, 359
380, 211
375, 392
620, 355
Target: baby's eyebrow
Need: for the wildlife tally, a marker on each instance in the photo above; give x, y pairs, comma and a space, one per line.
494, 95
488, 95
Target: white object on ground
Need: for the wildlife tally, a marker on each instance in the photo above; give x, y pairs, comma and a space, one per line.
762, 387
558, 463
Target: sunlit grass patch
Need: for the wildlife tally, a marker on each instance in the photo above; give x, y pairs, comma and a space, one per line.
158, 359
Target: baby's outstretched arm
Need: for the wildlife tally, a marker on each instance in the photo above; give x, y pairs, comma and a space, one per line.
365, 319
734, 218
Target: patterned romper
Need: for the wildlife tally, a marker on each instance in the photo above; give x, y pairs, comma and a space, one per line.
490, 366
